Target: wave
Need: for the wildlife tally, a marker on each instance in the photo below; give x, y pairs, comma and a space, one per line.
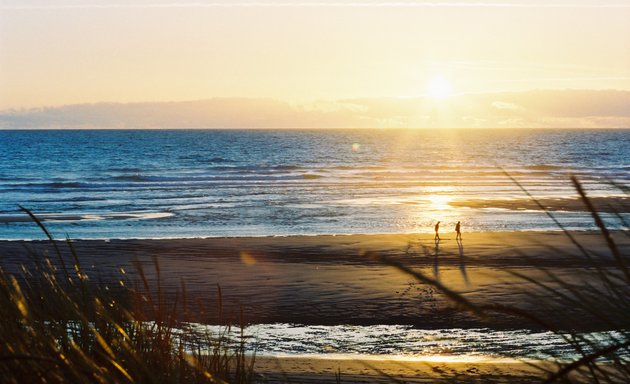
77, 199
311, 176
201, 158
135, 177
256, 168
350, 175
53, 217
126, 169
56, 184
220, 160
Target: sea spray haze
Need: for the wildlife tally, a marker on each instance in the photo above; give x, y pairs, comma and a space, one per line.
199, 183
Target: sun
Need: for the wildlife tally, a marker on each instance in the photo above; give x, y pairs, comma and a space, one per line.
438, 88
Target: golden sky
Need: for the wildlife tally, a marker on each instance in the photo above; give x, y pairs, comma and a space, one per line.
55, 53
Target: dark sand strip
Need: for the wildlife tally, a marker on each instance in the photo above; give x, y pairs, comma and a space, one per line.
335, 279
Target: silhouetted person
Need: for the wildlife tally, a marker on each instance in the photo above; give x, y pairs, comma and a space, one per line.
437, 235
458, 230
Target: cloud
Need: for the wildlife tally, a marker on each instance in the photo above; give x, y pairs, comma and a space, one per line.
534, 109
333, 106
504, 105
474, 122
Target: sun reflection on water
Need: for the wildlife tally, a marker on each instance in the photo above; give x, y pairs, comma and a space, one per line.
439, 202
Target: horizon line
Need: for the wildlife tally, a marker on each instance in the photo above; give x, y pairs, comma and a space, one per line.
299, 128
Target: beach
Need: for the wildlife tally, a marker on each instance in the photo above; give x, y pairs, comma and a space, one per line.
339, 279
333, 280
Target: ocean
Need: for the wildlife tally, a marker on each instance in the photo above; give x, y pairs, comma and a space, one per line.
106, 184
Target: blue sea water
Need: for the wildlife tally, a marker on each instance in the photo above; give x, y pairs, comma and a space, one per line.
206, 183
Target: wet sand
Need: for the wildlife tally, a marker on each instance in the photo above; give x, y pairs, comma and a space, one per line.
323, 370
611, 204
337, 279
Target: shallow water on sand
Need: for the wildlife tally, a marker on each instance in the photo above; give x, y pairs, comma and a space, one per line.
400, 342
199, 183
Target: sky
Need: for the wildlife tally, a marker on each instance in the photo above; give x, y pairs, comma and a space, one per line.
305, 54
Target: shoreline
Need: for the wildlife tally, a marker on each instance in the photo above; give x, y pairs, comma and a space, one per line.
424, 235
330, 280
349, 247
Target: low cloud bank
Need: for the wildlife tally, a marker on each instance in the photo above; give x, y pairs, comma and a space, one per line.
534, 109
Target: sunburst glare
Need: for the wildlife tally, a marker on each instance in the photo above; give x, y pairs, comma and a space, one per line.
438, 88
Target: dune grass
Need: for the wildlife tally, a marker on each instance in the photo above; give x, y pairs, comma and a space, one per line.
58, 325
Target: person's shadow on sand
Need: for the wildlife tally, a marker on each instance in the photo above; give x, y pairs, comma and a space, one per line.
462, 261
436, 262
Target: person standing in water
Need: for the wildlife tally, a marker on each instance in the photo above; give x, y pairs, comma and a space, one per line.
458, 230
437, 235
